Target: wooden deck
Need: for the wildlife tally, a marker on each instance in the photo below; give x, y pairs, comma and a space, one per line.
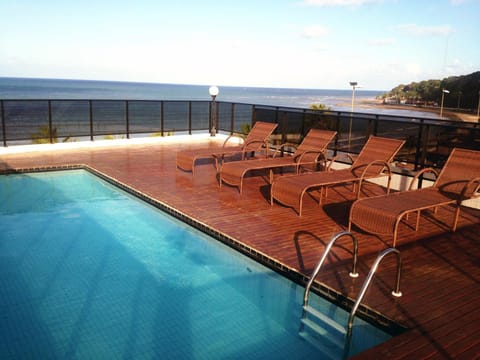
441, 270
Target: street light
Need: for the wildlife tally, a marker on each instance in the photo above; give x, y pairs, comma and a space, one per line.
444, 91
213, 91
353, 84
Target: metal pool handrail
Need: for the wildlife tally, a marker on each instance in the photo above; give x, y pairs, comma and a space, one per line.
353, 273
396, 292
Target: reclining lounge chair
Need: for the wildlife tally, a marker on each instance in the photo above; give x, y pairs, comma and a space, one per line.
256, 140
459, 180
310, 151
372, 162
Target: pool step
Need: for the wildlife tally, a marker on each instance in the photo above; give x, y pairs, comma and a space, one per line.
322, 331
324, 318
327, 349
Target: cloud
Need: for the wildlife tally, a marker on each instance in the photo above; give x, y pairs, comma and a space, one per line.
381, 42
340, 2
418, 30
314, 31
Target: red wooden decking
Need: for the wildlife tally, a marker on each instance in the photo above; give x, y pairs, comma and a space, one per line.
441, 270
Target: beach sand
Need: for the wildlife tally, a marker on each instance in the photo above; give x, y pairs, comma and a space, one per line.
447, 113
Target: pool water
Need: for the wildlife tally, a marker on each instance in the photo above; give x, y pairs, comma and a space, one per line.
90, 272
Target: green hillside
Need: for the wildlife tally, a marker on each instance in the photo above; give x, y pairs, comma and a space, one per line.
464, 92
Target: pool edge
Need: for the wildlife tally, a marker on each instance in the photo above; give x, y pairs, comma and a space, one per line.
366, 313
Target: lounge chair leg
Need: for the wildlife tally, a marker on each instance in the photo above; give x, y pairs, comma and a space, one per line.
455, 219
320, 196
418, 220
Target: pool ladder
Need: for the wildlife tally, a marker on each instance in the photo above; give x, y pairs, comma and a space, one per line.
319, 323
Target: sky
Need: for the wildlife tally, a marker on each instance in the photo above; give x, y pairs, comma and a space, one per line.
315, 44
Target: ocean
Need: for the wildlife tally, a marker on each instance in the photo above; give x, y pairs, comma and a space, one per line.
29, 88
338, 100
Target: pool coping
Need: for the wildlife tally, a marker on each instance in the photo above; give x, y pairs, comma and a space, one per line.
366, 313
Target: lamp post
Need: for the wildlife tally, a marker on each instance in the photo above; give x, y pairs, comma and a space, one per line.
213, 91
444, 91
353, 84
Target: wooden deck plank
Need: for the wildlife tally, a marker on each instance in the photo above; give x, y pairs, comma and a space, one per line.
440, 274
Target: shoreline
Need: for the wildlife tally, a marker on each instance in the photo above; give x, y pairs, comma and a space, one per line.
447, 113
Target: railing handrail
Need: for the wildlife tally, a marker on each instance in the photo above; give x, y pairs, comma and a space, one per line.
315, 272
396, 292
23, 120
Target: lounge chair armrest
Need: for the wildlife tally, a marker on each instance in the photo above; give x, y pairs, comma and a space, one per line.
335, 158
245, 151
320, 158
321, 155
374, 163
282, 146
470, 190
364, 173
230, 137
419, 174
245, 144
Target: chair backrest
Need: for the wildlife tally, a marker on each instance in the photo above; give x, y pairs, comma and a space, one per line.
462, 166
316, 141
259, 133
376, 148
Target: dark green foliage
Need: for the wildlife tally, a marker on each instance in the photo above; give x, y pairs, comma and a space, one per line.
464, 91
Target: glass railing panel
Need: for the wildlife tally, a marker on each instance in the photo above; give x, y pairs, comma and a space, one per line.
200, 115
70, 119
442, 139
175, 115
26, 120
109, 118
145, 117
243, 114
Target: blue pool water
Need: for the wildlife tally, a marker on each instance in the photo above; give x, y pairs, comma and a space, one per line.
90, 272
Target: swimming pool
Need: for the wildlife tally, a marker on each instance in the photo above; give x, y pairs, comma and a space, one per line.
88, 271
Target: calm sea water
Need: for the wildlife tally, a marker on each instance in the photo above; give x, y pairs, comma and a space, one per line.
339, 100
20, 88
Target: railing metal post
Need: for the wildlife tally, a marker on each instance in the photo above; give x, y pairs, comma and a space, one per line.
337, 129
283, 124
127, 119
91, 118
232, 118
50, 129
424, 147
4, 127
189, 118
416, 164
304, 118
375, 125
162, 129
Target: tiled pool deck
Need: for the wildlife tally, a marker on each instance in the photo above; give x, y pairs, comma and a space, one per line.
440, 274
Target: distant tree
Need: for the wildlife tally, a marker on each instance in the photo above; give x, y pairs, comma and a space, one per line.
466, 87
